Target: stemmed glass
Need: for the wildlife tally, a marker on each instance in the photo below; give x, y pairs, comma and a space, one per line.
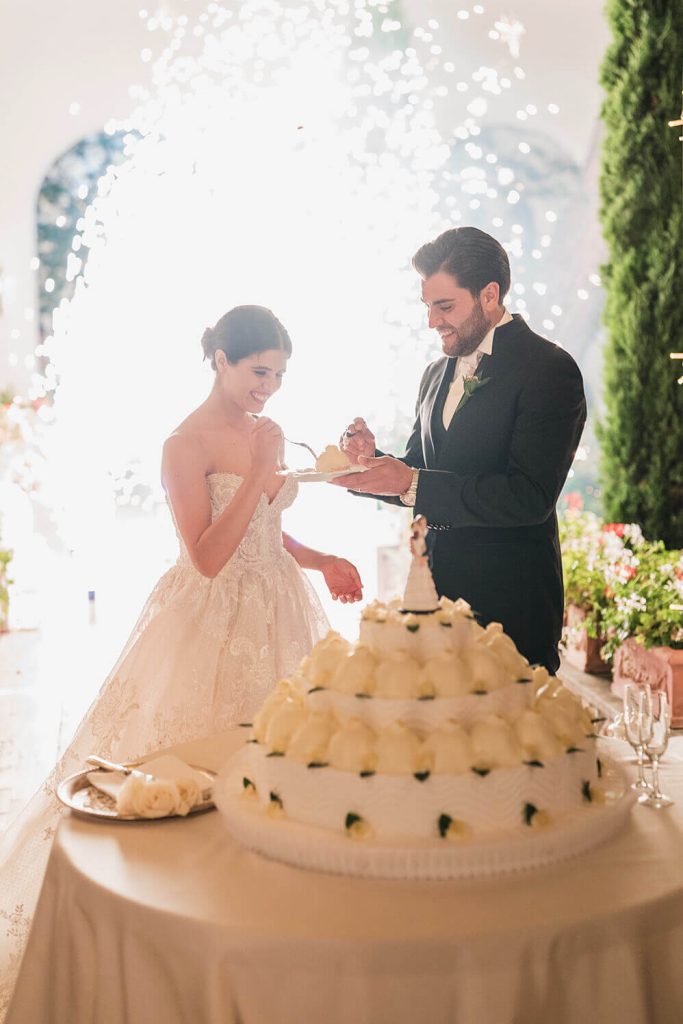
637, 724
655, 742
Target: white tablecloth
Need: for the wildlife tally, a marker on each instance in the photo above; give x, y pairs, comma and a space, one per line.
172, 921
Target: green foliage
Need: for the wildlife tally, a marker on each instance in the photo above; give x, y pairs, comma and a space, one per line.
642, 216
626, 585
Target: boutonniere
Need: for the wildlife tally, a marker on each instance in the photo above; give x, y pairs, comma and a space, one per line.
470, 385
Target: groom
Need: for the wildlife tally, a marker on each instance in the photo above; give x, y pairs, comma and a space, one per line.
499, 418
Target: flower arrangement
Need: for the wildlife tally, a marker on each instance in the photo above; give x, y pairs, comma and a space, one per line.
625, 585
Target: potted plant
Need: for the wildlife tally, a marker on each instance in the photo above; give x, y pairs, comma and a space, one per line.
584, 552
644, 624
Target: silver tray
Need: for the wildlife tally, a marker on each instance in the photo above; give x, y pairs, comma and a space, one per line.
78, 794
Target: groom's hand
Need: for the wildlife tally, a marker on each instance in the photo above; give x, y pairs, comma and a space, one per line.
385, 475
357, 440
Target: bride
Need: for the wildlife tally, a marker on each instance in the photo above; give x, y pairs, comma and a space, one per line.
234, 614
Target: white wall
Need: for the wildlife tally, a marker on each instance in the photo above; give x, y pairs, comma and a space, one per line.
88, 52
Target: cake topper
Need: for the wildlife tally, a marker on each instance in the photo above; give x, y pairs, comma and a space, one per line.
420, 594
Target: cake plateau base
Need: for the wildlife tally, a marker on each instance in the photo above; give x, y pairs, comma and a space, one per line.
318, 849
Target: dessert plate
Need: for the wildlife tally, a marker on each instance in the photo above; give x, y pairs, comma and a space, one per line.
79, 794
314, 476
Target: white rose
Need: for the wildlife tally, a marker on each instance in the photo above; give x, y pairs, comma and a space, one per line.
283, 723
356, 673
311, 739
503, 646
189, 795
397, 676
283, 691
445, 675
156, 798
398, 751
486, 670
352, 748
325, 657
494, 743
449, 749
536, 736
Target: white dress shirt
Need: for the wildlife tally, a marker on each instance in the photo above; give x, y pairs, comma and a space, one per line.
466, 366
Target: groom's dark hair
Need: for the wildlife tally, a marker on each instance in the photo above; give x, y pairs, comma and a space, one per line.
469, 255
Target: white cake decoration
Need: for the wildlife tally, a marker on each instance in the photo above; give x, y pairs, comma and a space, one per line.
429, 748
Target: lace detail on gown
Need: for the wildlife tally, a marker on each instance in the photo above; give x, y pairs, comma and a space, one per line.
202, 656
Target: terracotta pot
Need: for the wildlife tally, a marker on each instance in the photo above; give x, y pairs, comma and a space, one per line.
580, 650
660, 667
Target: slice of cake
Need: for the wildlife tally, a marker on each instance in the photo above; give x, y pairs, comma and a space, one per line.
431, 742
332, 460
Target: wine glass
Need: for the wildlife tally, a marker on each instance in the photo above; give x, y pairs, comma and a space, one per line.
655, 744
637, 724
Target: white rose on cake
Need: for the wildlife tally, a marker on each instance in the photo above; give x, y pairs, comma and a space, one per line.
445, 675
356, 673
352, 748
397, 677
536, 736
399, 751
325, 658
494, 743
449, 749
310, 741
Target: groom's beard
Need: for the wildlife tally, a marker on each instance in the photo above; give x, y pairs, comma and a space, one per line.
469, 336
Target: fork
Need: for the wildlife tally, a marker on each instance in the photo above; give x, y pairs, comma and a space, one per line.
302, 444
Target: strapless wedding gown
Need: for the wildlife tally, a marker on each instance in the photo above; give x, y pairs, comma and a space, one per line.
202, 657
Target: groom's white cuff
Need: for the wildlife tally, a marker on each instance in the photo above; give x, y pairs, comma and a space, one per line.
408, 497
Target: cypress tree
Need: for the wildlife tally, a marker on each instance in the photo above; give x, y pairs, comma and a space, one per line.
641, 193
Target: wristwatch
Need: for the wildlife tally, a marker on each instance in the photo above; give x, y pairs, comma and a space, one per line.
409, 496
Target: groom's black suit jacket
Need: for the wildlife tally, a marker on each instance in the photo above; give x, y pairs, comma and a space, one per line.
493, 480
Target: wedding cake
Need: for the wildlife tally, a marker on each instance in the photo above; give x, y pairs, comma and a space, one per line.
429, 748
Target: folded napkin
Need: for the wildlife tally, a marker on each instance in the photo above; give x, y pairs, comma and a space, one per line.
176, 788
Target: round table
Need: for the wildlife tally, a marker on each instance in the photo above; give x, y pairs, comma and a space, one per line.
173, 921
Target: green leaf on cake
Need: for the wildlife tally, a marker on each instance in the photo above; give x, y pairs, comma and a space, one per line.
248, 784
275, 798
528, 812
444, 824
366, 774
421, 776
535, 764
586, 792
413, 628
351, 819
483, 772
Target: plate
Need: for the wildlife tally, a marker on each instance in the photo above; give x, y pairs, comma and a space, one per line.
313, 476
81, 797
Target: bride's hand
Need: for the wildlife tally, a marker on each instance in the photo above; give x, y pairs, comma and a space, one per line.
342, 579
357, 440
265, 442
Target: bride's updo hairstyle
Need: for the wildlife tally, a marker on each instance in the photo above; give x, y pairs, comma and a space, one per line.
244, 331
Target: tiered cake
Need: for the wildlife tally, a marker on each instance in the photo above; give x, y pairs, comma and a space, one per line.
428, 749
